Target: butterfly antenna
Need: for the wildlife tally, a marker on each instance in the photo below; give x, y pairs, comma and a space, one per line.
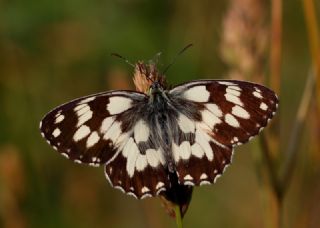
149, 78
123, 58
176, 57
156, 58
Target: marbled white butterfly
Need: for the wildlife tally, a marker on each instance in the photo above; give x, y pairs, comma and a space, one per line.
144, 138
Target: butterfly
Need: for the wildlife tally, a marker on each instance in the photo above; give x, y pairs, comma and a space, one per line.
149, 138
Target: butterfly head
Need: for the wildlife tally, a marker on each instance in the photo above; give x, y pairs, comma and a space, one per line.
155, 88
148, 79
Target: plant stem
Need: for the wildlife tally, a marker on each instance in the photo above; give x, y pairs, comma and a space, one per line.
293, 146
178, 216
275, 202
276, 37
314, 43
272, 173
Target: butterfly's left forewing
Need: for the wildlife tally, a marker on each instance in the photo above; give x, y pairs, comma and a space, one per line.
229, 113
89, 130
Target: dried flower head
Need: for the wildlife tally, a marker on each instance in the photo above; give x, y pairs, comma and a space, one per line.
145, 74
244, 38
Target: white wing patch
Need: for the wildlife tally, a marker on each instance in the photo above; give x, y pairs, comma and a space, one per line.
113, 132
240, 112
233, 92
181, 152
138, 161
233, 99
235, 87
81, 133
203, 176
141, 162
185, 150
87, 100
59, 119
231, 120
141, 131
227, 83
214, 109
56, 132
118, 104
92, 139
176, 152
186, 125
81, 108
263, 106
84, 113
153, 157
197, 94
132, 155
197, 150
106, 124
128, 147
203, 140
257, 94
209, 119
84, 118
145, 189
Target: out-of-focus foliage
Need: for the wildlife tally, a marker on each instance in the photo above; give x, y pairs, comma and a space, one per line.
54, 51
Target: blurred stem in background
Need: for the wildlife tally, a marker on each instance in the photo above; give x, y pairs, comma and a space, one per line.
276, 45
275, 80
314, 42
293, 146
244, 49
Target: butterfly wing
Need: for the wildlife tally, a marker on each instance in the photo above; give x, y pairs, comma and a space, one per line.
105, 129
229, 113
89, 130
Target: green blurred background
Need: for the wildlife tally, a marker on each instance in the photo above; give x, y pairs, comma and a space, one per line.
55, 51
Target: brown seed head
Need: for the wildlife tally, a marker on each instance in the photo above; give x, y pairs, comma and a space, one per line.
145, 75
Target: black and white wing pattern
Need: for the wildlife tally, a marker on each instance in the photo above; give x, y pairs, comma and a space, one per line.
229, 114
144, 140
104, 129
